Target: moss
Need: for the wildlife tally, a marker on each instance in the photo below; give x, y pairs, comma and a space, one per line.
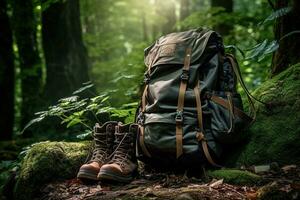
234, 176
275, 135
48, 161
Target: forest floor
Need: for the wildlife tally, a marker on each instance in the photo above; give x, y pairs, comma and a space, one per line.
283, 183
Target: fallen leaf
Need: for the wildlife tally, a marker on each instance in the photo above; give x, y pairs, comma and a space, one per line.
251, 195
216, 184
157, 187
287, 168
80, 190
295, 186
286, 188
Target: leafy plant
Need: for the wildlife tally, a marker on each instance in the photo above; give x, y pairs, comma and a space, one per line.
276, 14
261, 50
74, 111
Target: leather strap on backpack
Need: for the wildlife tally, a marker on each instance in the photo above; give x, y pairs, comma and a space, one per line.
236, 111
143, 109
250, 97
180, 104
200, 135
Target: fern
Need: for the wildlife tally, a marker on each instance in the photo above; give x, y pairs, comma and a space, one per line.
276, 14
73, 111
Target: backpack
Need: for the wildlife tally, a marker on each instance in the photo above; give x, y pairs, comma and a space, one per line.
190, 108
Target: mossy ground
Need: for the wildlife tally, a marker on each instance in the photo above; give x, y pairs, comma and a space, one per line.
234, 176
46, 162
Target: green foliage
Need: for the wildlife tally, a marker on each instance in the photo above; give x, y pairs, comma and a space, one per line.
213, 17
46, 3
12, 154
276, 14
261, 50
74, 111
6, 168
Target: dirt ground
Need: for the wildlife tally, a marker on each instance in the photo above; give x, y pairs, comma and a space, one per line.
283, 183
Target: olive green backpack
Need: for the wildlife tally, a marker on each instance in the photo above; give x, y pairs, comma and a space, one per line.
190, 107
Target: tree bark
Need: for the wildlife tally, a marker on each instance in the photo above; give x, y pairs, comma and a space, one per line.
223, 28
288, 52
65, 54
7, 75
25, 29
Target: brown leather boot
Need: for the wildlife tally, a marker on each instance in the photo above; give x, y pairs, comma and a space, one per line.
104, 141
123, 165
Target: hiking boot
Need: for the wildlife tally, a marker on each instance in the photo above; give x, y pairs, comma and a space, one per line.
104, 141
123, 165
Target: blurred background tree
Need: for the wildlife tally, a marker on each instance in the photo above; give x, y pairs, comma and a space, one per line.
288, 25
65, 54
24, 24
54, 46
7, 75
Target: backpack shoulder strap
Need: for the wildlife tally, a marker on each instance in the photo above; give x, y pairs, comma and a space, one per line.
200, 131
180, 104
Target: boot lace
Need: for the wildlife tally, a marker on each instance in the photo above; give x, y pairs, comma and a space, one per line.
121, 152
100, 148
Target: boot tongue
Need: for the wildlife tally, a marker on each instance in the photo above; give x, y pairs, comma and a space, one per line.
107, 126
122, 128
123, 148
124, 137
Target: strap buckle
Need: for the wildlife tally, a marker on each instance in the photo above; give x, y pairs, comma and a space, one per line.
199, 135
179, 117
141, 118
208, 95
147, 78
185, 75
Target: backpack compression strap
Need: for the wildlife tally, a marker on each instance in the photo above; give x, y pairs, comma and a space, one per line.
200, 136
226, 104
141, 128
143, 109
180, 104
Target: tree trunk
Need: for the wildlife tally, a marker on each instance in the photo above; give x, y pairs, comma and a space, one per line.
30, 62
288, 52
65, 54
223, 28
7, 75
184, 9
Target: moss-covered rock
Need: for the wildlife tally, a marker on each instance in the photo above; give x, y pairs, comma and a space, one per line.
234, 176
275, 135
49, 161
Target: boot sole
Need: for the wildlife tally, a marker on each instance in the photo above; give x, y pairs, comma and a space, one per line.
83, 174
108, 176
